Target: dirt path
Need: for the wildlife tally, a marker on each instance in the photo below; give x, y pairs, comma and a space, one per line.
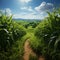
28, 51
41, 58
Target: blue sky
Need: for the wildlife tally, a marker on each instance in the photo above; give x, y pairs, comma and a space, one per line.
28, 9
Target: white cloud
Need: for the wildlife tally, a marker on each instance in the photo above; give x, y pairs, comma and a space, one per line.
25, 15
44, 6
29, 16
7, 11
25, 1
24, 8
2, 11
27, 8
34, 13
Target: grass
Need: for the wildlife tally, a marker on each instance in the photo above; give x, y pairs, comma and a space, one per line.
18, 47
34, 41
17, 50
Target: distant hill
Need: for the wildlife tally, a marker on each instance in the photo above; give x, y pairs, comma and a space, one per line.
19, 19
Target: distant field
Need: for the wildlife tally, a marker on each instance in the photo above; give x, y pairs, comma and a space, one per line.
26, 20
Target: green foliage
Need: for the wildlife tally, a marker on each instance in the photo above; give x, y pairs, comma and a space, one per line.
44, 37
33, 24
11, 46
48, 31
35, 45
9, 32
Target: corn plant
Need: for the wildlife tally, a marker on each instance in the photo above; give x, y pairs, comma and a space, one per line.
48, 31
10, 31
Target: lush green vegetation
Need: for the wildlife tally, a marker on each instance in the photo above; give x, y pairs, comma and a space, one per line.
10, 34
48, 32
44, 37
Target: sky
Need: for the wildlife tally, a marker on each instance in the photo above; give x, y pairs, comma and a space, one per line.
28, 9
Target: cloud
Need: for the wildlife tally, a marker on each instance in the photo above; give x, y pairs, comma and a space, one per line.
7, 11
27, 8
25, 1
24, 15
29, 16
44, 6
34, 13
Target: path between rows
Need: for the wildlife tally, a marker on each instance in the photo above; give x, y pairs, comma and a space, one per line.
28, 51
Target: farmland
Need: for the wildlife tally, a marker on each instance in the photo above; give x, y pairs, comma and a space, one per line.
43, 36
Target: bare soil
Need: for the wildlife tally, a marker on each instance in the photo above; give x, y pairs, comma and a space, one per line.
28, 51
